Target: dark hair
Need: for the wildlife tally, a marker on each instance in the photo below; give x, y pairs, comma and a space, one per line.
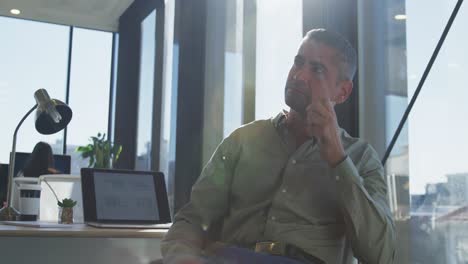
336, 41
40, 161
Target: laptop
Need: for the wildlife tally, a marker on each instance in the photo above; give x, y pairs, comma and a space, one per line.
124, 199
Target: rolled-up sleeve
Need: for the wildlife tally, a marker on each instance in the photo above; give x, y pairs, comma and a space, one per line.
363, 197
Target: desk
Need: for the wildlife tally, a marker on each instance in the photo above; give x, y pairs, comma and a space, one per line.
79, 244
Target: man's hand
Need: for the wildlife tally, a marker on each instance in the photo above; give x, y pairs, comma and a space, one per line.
321, 123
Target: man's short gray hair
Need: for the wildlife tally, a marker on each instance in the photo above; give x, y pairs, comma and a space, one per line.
346, 52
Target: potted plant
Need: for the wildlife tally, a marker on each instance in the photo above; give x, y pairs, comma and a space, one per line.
66, 211
102, 153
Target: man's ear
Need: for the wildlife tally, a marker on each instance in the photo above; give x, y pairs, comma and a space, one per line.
345, 88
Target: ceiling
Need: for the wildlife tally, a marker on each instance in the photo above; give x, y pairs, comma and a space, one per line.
92, 14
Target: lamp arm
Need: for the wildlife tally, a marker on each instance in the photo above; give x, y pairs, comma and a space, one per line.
13, 154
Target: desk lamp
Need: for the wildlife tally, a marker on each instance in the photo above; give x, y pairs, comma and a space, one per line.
52, 116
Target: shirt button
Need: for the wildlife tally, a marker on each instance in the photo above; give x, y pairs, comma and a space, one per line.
283, 191
273, 218
224, 157
337, 177
293, 161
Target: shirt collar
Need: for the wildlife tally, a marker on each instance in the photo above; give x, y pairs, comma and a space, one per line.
279, 121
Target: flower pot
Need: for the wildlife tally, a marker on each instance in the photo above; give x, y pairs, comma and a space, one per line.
65, 215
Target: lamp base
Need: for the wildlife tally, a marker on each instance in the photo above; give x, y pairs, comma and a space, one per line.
8, 213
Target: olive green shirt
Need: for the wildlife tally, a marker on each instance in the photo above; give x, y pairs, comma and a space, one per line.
258, 186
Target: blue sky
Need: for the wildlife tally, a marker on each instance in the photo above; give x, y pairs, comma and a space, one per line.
438, 130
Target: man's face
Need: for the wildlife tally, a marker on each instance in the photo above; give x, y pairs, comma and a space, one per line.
314, 76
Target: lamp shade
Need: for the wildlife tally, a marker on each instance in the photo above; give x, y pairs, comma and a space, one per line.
52, 115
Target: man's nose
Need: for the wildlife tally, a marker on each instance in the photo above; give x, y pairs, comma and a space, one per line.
300, 75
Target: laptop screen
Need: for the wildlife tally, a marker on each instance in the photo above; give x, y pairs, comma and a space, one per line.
125, 197
122, 196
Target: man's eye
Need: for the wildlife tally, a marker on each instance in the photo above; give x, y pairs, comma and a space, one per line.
317, 69
298, 61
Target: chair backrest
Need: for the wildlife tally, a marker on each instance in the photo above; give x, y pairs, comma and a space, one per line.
64, 186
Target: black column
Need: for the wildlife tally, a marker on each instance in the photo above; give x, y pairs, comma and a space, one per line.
339, 16
126, 100
128, 76
190, 33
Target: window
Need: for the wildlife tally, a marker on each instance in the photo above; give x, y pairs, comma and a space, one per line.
237, 31
245, 75
427, 172
145, 96
169, 108
89, 90
273, 66
34, 55
233, 77
437, 132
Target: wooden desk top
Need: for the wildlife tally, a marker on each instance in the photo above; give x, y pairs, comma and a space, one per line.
79, 230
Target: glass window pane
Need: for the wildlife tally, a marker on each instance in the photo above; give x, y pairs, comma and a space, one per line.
89, 90
34, 55
169, 108
438, 166
427, 174
233, 79
273, 66
145, 97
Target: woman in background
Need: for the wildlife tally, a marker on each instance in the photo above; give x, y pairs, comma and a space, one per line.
41, 161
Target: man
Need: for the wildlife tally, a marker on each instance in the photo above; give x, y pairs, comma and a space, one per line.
293, 189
